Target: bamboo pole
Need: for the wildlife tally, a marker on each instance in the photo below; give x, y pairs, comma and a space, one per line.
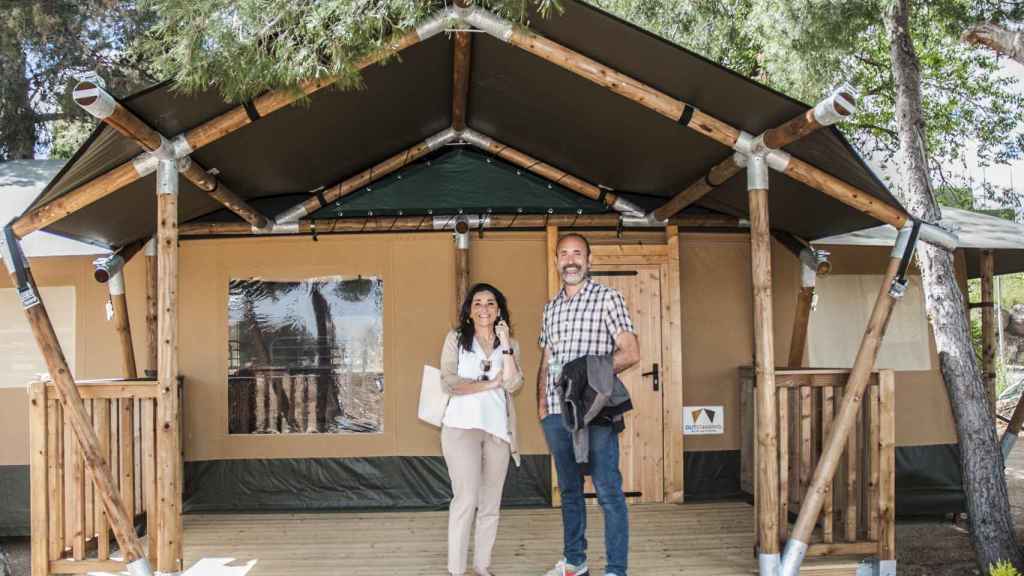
213, 130
168, 440
719, 174
39, 460
843, 423
151, 308
74, 407
764, 368
988, 326
98, 102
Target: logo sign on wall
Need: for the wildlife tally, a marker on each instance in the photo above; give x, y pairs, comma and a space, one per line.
700, 420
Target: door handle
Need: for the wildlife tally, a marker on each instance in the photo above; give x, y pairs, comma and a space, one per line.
654, 372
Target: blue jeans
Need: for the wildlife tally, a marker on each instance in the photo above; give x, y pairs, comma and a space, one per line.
604, 471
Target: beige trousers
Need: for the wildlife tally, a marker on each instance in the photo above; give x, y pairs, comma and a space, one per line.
477, 464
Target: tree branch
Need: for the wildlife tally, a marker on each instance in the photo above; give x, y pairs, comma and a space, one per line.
997, 38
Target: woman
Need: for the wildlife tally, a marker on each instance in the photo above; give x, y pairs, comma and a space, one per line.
480, 369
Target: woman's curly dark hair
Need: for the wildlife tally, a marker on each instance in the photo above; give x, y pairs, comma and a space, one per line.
466, 328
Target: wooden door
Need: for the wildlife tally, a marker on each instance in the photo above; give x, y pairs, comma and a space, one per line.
641, 449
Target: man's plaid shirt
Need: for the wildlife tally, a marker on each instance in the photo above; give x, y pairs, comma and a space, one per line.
583, 325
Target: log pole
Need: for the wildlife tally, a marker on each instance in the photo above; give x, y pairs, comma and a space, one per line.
151, 308
767, 500
812, 263
845, 419
719, 174
74, 408
461, 263
460, 75
168, 446
213, 130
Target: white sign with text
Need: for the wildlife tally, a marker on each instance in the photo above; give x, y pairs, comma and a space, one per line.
700, 420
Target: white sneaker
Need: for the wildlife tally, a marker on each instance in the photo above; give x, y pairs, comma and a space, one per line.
563, 568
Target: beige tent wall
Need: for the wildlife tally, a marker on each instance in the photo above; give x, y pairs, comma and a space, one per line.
97, 352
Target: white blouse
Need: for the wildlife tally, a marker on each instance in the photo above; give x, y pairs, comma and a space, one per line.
482, 410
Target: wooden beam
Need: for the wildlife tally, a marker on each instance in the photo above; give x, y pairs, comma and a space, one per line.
169, 546
988, 327
673, 397
849, 407
95, 100
675, 110
74, 407
719, 174
798, 339
807, 122
538, 167
122, 324
364, 178
206, 133
460, 75
767, 504
887, 465
461, 265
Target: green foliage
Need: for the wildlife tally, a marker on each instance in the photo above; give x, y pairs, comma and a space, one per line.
806, 47
44, 46
1003, 568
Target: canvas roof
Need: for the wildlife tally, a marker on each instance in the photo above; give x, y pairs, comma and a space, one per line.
977, 232
21, 181
514, 97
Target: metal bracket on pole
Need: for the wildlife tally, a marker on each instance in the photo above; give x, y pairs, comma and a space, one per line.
462, 227
906, 242
768, 564
792, 557
876, 567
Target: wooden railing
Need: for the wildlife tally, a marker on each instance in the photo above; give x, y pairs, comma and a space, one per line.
70, 532
858, 516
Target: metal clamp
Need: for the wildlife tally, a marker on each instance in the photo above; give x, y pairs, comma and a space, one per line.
906, 242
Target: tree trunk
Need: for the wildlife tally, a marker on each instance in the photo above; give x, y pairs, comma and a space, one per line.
988, 506
1003, 41
18, 121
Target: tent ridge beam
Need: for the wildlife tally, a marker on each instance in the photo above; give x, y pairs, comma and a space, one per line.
214, 129
461, 54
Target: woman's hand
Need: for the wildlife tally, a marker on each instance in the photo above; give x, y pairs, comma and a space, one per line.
501, 331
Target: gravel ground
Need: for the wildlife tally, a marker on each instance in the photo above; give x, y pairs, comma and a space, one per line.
924, 548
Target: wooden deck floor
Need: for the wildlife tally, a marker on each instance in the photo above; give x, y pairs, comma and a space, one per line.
693, 539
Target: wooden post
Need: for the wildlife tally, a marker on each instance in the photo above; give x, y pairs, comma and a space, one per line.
461, 263
55, 454
887, 467
149, 484
39, 461
844, 422
988, 326
122, 324
74, 407
151, 308
764, 368
101, 416
311, 395
168, 446
672, 342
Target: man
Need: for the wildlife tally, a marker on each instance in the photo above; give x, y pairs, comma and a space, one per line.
585, 318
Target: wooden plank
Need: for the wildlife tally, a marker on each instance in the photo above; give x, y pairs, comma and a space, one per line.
101, 418
167, 430
887, 464
746, 432
55, 477
39, 461
87, 566
852, 488
784, 463
843, 549
764, 365
76, 498
806, 448
604, 251
827, 404
149, 483
112, 390
89, 517
871, 501
126, 452
672, 338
